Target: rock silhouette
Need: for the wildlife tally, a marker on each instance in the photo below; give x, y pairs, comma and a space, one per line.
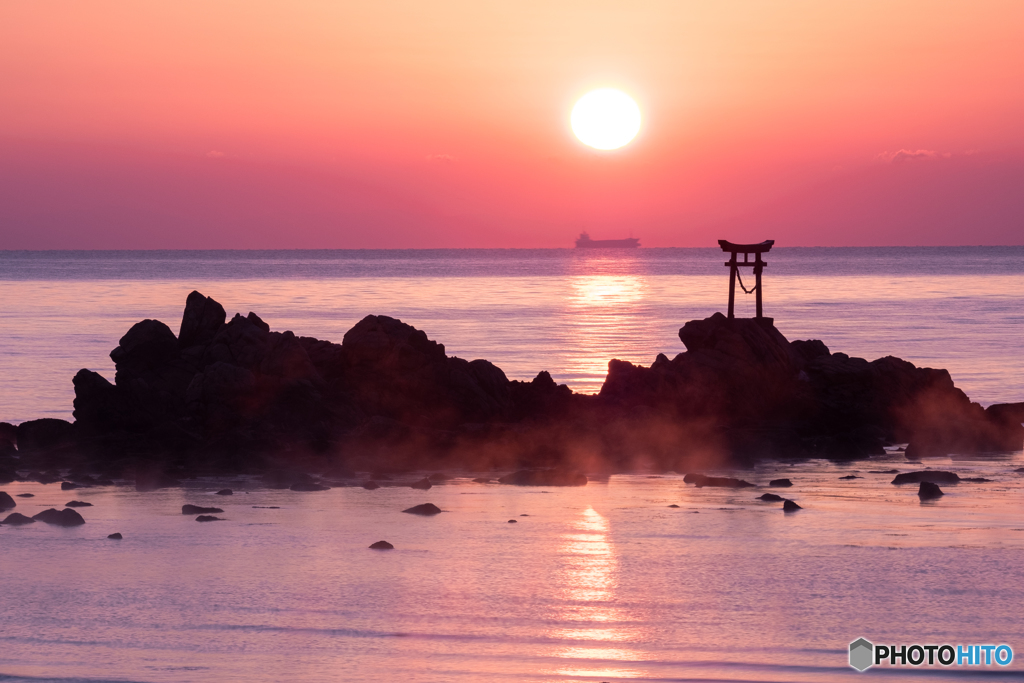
77, 504
230, 395
780, 482
545, 477
17, 519
929, 491
225, 492
423, 484
700, 480
426, 509
116, 536
771, 498
196, 510
65, 517
382, 545
932, 476
6, 502
790, 506
208, 518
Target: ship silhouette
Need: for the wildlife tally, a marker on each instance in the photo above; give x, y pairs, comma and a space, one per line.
584, 242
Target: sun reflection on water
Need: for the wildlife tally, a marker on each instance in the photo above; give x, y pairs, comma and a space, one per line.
587, 595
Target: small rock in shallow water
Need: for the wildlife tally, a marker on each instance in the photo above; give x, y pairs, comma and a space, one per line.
426, 509
115, 537
673, 505
790, 506
700, 480
65, 517
423, 484
1019, 469
883, 471
225, 492
932, 476
268, 507
208, 518
6, 502
17, 519
309, 487
197, 510
771, 498
371, 485
26, 495
77, 504
513, 521
438, 477
382, 545
68, 486
780, 482
851, 476
929, 491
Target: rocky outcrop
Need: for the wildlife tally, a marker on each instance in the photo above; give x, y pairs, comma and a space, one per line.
382, 545
932, 476
65, 517
771, 498
790, 506
17, 519
426, 510
6, 502
780, 482
929, 491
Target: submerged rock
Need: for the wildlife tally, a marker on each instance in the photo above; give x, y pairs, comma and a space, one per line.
673, 505
25, 495
931, 476
116, 536
426, 509
700, 480
208, 518
197, 509
790, 506
309, 487
780, 482
370, 485
547, 477
513, 521
65, 517
771, 498
851, 476
6, 502
225, 492
17, 519
423, 484
77, 504
929, 491
382, 545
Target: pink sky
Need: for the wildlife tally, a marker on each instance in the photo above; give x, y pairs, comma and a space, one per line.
217, 124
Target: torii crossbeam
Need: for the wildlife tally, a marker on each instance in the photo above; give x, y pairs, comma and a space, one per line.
757, 264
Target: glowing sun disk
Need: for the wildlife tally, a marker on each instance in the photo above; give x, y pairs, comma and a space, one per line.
605, 119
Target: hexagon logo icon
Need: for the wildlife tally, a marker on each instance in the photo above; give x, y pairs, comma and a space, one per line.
861, 654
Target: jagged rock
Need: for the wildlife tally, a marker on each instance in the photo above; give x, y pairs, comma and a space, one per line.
198, 509
201, 320
208, 518
225, 492
309, 487
382, 545
780, 482
65, 517
116, 536
932, 476
423, 484
17, 519
6, 502
426, 509
790, 506
700, 480
929, 491
77, 504
771, 498
547, 477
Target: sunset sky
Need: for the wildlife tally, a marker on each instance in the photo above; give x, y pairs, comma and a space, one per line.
386, 124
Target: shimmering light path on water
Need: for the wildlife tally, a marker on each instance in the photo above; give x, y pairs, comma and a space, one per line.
570, 324
598, 583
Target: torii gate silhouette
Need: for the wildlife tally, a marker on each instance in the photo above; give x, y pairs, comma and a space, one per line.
757, 264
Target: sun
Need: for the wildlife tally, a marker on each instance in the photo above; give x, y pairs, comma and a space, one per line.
605, 119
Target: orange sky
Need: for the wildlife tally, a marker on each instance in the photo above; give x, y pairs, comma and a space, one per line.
208, 124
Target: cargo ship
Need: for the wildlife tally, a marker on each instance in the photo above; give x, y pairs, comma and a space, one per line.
584, 242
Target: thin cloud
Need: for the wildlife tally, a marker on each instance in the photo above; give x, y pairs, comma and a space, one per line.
215, 154
912, 155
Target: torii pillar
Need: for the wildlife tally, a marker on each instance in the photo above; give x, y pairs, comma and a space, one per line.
757, 264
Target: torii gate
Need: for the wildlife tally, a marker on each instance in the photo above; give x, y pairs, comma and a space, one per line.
757, 264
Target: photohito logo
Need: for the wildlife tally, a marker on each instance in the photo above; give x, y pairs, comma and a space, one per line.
865, 654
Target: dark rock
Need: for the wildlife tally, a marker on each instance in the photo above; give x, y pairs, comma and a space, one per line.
929, 491
546, 477
851, 476
370, 485
25, 495
8, 437
7, 475
208, 518
17, 519
153, 481
268, 507
790, 506
44, 436
700, 480
771, 498
976, 480
932, 476
780, 482
377, 475
197, 509
309, 487
423, 484
225, 492
1019, 469
65, 517
382, 545
426, 509
116, 536
78, 504
6, 502
673, 505
883, 471
69, 486
438, 478
482, 480
201, 320
48, 477
513, 521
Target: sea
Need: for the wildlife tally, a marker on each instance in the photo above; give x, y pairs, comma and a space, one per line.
604, 582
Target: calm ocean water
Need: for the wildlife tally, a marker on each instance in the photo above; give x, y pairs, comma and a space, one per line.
600, 583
